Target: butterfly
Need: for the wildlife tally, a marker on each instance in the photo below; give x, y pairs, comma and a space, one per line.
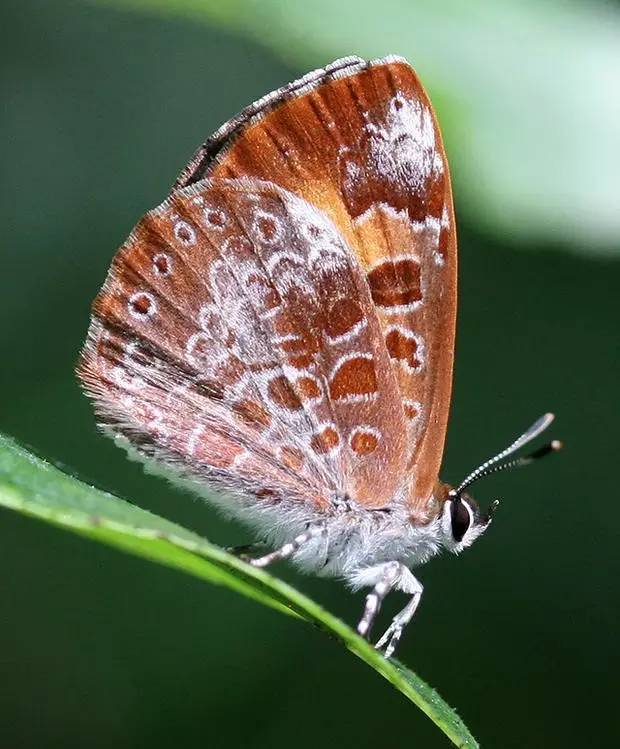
278, 334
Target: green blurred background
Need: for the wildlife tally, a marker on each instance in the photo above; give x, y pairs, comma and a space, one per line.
101, 107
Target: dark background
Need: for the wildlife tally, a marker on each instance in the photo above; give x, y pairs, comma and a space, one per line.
101, 109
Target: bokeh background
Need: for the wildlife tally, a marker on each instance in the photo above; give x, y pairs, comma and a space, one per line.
102, 104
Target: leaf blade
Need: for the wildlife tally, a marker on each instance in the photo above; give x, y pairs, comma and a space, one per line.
33, 487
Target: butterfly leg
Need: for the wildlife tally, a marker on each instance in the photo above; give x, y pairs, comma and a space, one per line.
388, 575
284, 552
244, 549
409, 584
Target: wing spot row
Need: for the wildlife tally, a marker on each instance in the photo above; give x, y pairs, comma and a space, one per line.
142, 305
405, 347
162, 264
395, 283
215, 218
353, 377
325, 440
364, 440
184, 233
344, 319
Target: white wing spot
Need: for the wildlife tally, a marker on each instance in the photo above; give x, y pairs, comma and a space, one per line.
198, 349
215, 218
404, 150
364, 439
142, 305
162, 264
326, 439
185, 233
413, 409
267, 228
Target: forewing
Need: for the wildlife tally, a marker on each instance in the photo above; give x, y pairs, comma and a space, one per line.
359, 141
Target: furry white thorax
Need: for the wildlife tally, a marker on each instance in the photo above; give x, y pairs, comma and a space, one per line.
357, 541
355, 538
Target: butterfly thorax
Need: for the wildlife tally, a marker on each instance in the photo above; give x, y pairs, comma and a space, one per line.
356, 537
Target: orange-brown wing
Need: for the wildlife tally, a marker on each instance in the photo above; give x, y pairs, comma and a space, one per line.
178, 360
235, 340
360, 142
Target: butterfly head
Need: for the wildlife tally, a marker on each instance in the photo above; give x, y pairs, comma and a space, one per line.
462, 520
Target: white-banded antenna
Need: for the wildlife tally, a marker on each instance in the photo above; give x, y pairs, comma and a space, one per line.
494, 464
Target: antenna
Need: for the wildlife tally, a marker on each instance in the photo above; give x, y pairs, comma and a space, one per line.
494, 464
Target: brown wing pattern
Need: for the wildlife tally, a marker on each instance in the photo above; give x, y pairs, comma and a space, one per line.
236, 328
359, 141
179, 360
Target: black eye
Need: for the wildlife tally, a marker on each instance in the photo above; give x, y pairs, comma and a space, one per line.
461, 519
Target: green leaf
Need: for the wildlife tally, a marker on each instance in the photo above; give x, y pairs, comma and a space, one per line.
33, 487
526, 94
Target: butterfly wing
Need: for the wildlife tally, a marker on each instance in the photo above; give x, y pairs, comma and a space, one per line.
235, 340
360, 142
174, 419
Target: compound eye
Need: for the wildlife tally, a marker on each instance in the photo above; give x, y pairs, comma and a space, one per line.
461, 519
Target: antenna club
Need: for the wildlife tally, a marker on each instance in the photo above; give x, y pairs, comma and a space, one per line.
557, 445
